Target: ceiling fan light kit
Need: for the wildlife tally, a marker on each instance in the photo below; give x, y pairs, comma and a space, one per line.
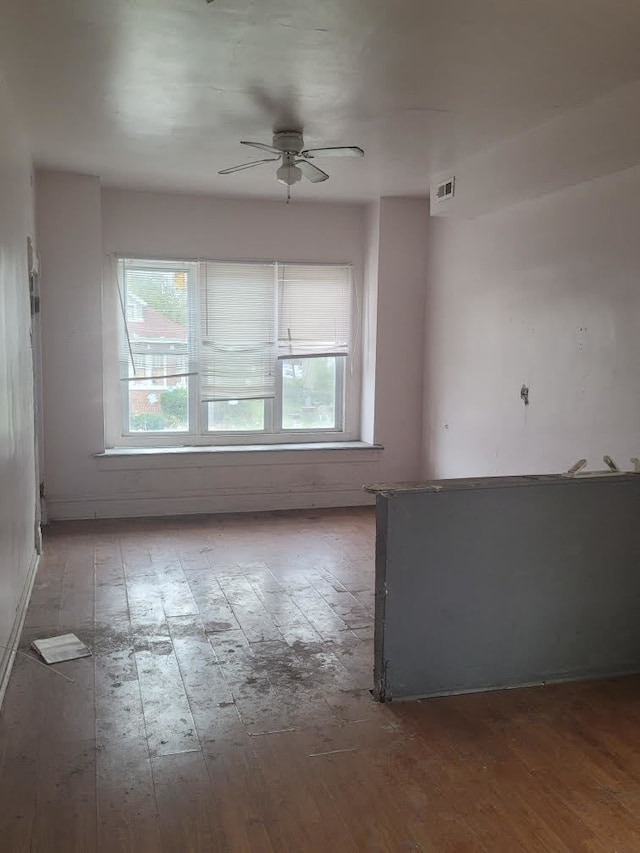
289, 174
288, 147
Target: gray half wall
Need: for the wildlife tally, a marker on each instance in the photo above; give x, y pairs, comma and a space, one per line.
506, 582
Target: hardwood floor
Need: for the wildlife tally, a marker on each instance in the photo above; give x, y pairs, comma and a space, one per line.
227, 708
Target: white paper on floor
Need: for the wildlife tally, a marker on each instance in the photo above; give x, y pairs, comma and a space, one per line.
58, 649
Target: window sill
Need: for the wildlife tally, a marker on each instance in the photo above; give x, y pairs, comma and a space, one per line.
128, 458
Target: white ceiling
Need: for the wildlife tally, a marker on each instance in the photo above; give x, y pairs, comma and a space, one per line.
157, 93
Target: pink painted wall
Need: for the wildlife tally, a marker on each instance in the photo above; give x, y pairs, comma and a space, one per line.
544, 293
96, 223
17, 458
369, 321
68, 226
402, 287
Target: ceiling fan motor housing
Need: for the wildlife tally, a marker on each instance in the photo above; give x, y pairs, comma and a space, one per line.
288, 141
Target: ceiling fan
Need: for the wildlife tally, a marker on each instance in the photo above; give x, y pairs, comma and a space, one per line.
288, 146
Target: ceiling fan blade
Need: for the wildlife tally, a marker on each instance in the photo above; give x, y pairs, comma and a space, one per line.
336, 151
262, 147
242, 166
311, 172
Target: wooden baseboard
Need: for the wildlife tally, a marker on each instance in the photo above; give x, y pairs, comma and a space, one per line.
135, 507
9, 654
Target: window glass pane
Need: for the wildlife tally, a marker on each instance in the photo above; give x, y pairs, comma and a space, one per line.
158, 405
155, 348
309, 393
236, 416
171, 331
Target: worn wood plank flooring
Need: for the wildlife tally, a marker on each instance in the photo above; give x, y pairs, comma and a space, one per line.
227, 708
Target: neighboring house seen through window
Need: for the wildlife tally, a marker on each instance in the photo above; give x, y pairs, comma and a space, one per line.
215, 352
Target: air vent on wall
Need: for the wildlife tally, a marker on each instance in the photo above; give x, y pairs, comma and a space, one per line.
445, 189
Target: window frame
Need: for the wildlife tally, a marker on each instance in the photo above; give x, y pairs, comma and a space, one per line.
117, 434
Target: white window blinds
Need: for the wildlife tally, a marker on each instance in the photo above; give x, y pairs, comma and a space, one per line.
314, 310
156, 319
225, 324
238, 331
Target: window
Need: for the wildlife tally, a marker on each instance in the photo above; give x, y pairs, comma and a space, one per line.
211, 352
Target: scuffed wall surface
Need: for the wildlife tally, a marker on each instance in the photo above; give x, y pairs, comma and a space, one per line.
544, 294
17, 463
